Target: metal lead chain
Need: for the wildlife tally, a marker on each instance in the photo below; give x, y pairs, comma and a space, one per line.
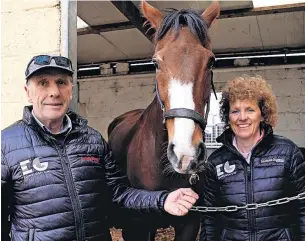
250, 206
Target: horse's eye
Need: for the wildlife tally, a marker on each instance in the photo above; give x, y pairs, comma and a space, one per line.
211, 63
156, 64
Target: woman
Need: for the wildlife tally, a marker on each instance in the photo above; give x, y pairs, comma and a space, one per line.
253, 166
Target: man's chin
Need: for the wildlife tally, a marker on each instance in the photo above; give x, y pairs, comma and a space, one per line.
55, 115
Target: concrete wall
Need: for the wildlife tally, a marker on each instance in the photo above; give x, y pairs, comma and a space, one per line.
102, 99
29, 28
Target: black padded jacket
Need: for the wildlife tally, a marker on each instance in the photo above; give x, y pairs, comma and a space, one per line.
276, 170
64, 190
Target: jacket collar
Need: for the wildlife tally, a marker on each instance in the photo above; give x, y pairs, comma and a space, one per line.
226, 137
77, 121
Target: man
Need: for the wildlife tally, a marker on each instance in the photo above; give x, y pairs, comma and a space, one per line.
58, 175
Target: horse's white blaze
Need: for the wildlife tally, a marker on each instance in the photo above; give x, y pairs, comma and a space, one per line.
181, 96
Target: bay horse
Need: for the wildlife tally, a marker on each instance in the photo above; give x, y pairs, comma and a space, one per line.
162, 147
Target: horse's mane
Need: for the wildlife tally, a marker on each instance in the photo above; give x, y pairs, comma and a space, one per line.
185, 17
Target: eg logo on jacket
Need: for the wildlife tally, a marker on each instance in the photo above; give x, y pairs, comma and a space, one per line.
224, 170
28, 166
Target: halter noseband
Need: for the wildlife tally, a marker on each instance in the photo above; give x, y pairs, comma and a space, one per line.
184, 112
189, 114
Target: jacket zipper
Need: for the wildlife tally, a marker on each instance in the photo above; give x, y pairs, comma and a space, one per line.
249, 190
250, 200
248, 178
79, 224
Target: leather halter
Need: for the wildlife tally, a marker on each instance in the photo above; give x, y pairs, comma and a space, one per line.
184, 112
189, 114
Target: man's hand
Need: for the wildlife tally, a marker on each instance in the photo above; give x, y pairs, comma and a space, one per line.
180, 201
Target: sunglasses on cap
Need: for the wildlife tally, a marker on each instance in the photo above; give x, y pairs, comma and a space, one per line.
43, 61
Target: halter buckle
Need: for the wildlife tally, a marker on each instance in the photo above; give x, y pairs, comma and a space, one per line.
193, 179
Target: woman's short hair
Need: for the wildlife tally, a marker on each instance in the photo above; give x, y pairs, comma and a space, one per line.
249, 88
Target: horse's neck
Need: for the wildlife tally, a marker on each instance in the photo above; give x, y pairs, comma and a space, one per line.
145, 150
154, 118
152, 128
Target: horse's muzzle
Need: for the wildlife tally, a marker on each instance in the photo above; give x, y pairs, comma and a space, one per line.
186, 164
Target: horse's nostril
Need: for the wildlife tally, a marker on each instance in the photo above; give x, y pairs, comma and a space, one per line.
171, 147
201, 151
170, 151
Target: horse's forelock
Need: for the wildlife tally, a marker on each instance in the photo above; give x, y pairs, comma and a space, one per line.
186, 17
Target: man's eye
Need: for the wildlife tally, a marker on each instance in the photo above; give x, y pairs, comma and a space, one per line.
61, 82
234, 111
43, 82
250, 110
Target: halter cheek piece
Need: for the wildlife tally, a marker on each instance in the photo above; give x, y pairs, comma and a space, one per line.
189, 114
186, 113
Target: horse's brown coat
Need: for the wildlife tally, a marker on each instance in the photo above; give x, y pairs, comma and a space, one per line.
138, 138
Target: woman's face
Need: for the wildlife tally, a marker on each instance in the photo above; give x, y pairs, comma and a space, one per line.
244, 119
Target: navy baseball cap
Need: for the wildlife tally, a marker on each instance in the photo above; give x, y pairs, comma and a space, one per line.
46, 61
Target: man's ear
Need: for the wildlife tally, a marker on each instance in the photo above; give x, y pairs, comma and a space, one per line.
28, 93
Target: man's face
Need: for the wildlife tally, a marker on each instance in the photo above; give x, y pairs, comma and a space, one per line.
50, 94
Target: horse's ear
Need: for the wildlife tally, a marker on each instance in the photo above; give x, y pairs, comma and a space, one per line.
211, 13
153, 15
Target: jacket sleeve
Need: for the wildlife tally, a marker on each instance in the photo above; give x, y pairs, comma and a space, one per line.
5, 199
297, 176
123, 194
208, 198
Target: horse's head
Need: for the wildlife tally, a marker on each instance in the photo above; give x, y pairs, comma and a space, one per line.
183, 60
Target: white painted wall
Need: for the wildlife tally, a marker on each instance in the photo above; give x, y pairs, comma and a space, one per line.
102, 99
29, 28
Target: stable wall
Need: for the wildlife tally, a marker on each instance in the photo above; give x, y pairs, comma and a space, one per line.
102, 99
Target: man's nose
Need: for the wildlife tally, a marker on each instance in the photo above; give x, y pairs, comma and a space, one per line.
53, 90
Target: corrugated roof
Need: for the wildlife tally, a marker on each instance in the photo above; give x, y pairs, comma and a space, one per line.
114, 36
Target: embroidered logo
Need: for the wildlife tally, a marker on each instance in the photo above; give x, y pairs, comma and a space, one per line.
28, 166
224, 170
276, 160
90, 158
